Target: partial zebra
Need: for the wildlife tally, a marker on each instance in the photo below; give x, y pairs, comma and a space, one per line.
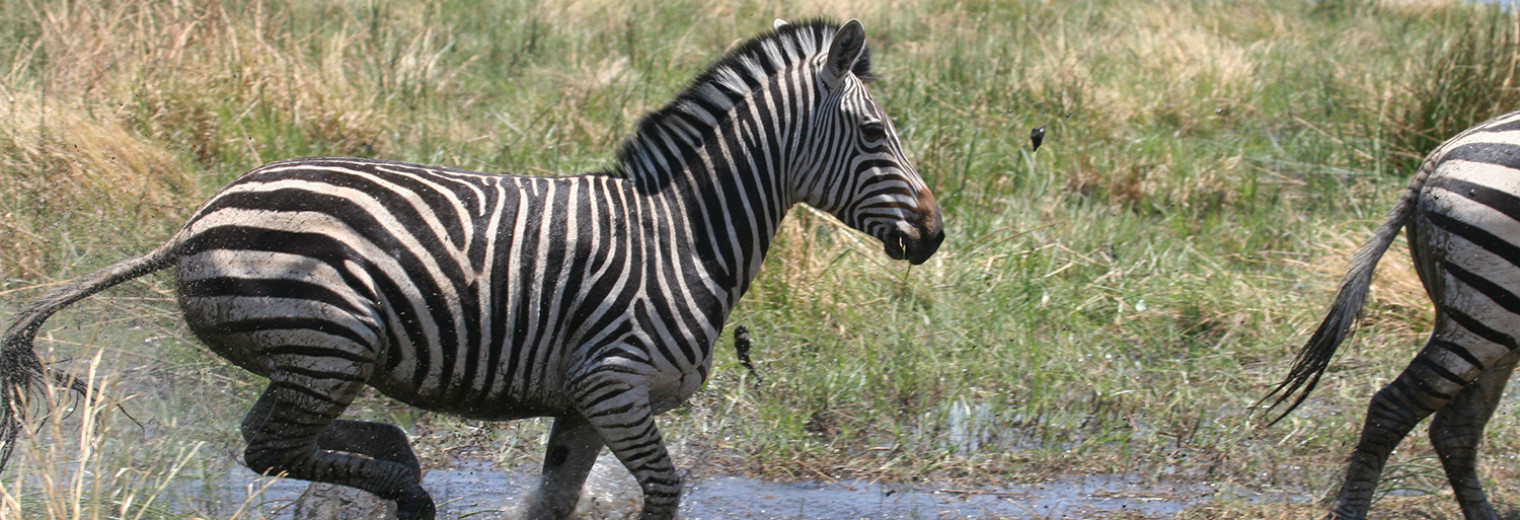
1463, 215
595, 299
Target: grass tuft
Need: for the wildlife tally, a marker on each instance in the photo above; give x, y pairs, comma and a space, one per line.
1458, 83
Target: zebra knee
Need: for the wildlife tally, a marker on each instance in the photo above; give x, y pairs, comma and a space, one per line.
379, 440
265, 460
1391, 415
253, 421
556, 457
1452, 438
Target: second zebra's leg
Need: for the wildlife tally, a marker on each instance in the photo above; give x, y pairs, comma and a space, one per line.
1457, 430
573, 447
287, 432
1425, 386
621, 413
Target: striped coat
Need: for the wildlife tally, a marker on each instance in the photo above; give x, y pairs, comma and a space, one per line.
595, 299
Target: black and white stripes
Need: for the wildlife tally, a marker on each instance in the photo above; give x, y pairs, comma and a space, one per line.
595, 299
1463, 215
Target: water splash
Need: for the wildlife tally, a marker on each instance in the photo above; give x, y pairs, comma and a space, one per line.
479, 493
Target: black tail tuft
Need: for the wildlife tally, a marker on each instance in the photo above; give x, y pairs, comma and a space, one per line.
1336, 327
21, 371
20, 374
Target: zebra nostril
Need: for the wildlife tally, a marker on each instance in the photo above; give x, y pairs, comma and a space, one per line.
912, 241
898, 242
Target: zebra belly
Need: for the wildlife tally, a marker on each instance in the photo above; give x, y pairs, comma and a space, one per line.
475, 403
234, 329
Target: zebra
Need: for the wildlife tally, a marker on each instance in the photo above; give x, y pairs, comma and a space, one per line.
1462, 211
594, 299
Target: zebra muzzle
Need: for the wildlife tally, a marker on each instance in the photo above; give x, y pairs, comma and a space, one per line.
914, 242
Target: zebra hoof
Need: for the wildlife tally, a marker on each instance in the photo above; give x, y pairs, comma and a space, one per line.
415, 505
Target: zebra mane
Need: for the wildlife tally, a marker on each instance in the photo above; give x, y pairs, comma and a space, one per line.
705, 102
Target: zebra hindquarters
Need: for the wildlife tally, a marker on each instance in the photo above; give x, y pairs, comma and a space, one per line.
319, 342
1462, 239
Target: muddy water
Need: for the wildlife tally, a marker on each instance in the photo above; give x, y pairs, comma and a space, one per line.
611, 493
733, 497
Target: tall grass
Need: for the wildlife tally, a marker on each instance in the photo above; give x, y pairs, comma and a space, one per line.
72, 466
1110, 303
1461, 82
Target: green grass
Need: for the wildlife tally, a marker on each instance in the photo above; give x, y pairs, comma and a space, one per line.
1112, 303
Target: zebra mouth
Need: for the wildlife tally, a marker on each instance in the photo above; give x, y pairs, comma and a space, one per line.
895, 246
913, 242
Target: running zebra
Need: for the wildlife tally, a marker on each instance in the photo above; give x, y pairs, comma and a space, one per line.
594, 299
1463, 215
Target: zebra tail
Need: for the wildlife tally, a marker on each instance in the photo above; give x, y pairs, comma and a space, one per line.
1344, 312
21, 372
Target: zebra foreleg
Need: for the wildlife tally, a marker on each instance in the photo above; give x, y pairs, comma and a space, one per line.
285, 431
622, 415
1456, 431
573, 447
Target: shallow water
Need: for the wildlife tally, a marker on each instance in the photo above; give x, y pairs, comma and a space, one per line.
737, 497
612, 493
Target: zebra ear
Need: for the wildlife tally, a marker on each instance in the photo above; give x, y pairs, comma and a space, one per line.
843, 52
778, 24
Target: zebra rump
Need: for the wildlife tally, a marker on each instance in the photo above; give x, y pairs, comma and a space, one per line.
1462, 213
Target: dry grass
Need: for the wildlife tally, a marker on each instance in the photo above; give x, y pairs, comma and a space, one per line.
1397, 306
1457, 84
69, 467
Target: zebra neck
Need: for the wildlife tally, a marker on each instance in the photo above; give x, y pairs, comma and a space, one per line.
722, 201
720, 156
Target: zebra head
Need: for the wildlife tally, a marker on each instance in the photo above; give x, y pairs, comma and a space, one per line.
856, 169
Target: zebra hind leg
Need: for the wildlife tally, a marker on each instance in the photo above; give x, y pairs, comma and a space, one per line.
1422, 388
1457, 430
377, 440
573, 447
288, 432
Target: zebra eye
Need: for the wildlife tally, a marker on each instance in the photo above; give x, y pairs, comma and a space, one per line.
873, 131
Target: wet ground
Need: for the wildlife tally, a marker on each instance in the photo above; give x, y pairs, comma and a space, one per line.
612, 493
